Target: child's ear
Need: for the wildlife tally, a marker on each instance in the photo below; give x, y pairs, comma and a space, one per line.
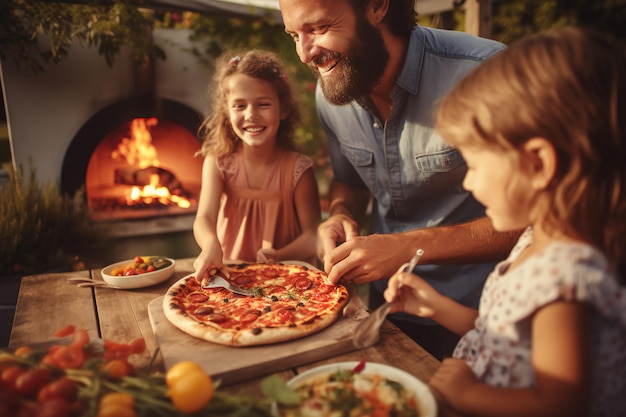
543, 161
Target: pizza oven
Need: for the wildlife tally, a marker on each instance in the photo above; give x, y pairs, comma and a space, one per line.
136, 159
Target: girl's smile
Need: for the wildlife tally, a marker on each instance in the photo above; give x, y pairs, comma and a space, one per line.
254, 109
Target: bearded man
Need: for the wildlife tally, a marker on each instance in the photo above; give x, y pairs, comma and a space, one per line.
379, 78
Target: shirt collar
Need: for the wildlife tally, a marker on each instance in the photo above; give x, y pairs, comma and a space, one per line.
411, 71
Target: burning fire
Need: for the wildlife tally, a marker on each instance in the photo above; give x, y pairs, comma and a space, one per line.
153, 192
138, 151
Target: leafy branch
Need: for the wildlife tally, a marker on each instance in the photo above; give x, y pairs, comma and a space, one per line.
36, 32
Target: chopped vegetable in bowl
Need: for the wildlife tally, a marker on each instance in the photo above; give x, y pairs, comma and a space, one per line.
350, 389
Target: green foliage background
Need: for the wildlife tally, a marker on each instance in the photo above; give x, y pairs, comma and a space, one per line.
40, 228
109, 26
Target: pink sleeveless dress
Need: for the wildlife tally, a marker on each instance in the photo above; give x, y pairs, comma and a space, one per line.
251, 219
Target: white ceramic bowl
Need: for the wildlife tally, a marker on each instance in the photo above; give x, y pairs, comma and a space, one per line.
427, 402
137, 281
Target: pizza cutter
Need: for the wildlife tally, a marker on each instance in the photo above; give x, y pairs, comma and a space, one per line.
216, 281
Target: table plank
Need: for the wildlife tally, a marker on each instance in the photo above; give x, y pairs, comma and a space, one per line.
47, 303
394, 348
123, 314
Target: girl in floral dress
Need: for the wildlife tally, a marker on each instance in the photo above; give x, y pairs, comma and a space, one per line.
541, 127
259, 199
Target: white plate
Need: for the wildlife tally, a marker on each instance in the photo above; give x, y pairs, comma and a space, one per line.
137, 281
427, 402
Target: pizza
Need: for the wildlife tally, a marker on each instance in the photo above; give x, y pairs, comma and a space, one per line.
290, 301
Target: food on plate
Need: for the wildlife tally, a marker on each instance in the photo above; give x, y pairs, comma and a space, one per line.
350, 392
290, 301
141, 265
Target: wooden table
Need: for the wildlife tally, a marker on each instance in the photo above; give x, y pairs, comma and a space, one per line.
47, 302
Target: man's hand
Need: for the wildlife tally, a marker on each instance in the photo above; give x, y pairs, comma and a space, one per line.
365, 258
333, 232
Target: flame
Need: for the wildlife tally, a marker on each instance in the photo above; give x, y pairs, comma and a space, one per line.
139, 151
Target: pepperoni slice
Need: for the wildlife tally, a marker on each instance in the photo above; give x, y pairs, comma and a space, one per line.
197, 297
324, 289
249, 316
244, 279
269, 272
216, 317
303, 283
284, 316
203, 311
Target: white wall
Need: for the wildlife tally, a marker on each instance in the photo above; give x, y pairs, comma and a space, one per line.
44, 112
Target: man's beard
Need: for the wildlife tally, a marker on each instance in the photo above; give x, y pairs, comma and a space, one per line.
361, 68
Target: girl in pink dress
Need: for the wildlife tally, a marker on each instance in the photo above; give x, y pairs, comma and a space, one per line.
259, 199
541, 127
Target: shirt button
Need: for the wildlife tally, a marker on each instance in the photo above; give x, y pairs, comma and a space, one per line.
376, 125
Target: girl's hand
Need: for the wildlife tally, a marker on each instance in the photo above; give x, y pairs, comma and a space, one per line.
453, 380
208, 259
267, 255
416, 296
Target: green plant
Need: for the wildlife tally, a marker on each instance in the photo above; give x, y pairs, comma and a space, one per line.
40, 228
34, 32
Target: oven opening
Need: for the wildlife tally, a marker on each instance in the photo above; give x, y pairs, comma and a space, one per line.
144, 168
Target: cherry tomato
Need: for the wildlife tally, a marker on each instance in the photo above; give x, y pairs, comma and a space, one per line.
63, 388
139, 259
31, 381
49, 361
117, 350
80, 338
116, 410
54, 407
69, 357
138, 345
8, 397
180, 370
26, 409
120, 398
191, 392
23, 351
117, 368
10, 374
65, 331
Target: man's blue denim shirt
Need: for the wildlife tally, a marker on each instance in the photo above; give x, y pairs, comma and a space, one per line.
415, 177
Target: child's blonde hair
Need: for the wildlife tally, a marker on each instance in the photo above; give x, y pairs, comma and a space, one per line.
219, 139
567, 85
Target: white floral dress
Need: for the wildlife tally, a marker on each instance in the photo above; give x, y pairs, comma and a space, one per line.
498, 349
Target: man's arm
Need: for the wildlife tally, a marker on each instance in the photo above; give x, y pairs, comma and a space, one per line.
378, 256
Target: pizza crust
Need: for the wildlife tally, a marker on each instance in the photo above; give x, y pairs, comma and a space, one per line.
307, 310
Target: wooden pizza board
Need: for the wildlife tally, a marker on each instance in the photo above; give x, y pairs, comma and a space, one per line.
236, 364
